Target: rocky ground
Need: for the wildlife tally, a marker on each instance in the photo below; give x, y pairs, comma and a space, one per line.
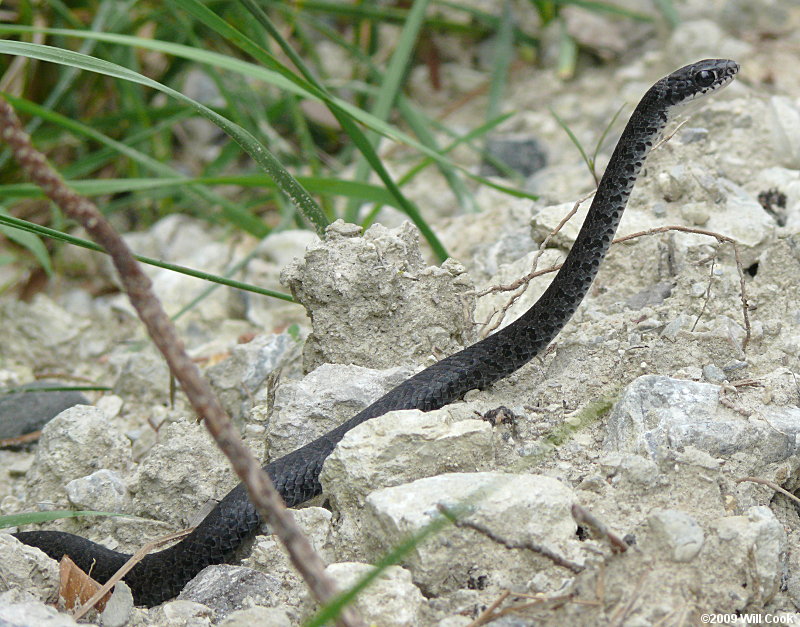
654, 410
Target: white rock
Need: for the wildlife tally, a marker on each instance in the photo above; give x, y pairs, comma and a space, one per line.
517, 508
39, 330
238, 379
225, 588
391, 599
701, 39
26, 568
188, 242
784, 119
180, 613
268, 555
754, 547
136, 373
402, 446
103, 490
374, 302
23, 610
283, 247
655, 414
76, 443
326, 397
679, 532
180, 474
261, 616
119, 607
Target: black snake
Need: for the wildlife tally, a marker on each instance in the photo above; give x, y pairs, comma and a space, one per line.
161, 576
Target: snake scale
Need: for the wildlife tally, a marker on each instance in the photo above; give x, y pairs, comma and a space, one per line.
161, 576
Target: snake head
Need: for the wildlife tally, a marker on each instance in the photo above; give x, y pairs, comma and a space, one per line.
696, 81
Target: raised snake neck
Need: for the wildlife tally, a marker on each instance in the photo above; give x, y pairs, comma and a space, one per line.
161, 576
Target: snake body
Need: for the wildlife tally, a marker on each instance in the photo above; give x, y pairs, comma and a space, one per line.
161, 576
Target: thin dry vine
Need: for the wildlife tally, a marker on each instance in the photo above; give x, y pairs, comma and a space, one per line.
525, 280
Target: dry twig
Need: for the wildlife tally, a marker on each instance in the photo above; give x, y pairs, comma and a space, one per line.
583, 516
524, 282
126, 568
554, 557
659, 229
771, 484
260, 489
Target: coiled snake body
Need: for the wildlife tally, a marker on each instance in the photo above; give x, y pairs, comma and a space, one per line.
161, 576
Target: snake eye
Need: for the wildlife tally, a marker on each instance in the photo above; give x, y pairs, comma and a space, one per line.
705, 78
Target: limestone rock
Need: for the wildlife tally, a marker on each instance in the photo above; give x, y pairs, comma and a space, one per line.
753, 547
261, 616
103, 490
373, 301
679, 532
326, 397
225, 588
119, 607
518, 508
400, 447
238, 379
268, 556
180, 474
655, 414
26, 568
19, 609
180, 613
391, 600
76, 443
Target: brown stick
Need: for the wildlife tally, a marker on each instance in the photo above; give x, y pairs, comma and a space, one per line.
260, 489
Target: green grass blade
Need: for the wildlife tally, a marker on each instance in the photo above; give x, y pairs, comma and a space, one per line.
668, 11
253, 71
604, 134
242, 219
503, 52
361, 141
421, 129
56, 388
317, 184
567, 52
575, 141
419, 123
70, 239
391, 83
31, 518
331, 610
262, 156
103, 20
31, 243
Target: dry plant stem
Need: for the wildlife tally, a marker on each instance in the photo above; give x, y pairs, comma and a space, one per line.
524, 281
659, 229
531, 546
126, 567
583, 516
538, 601
772, 485
708, 294
488, 614
622, 612
138, 287
721, 239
